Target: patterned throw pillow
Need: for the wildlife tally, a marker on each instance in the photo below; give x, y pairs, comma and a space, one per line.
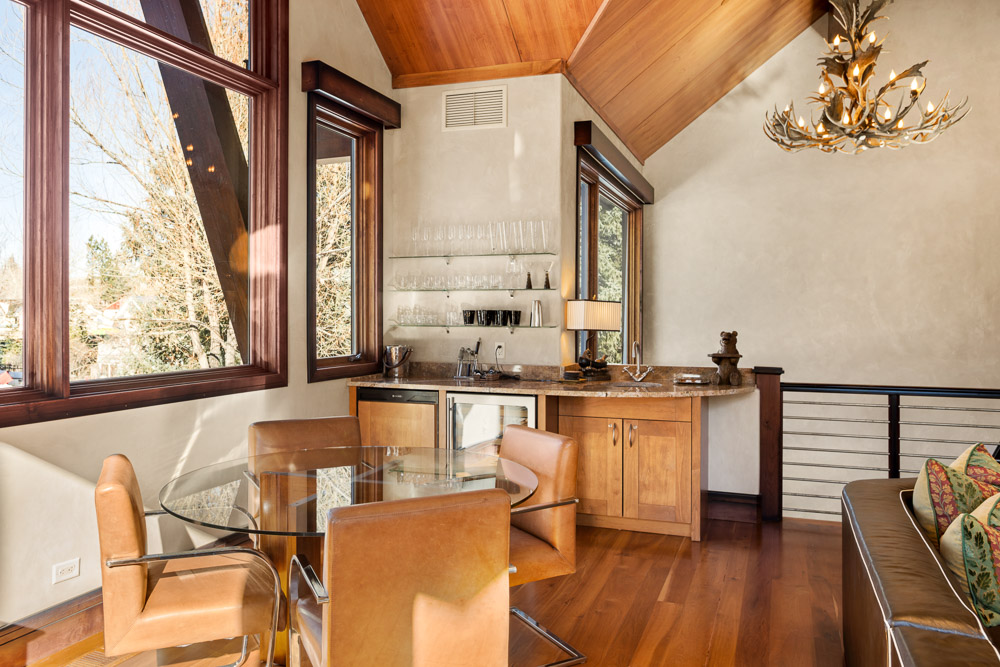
952, 544
979, 464
942, 493
973, 548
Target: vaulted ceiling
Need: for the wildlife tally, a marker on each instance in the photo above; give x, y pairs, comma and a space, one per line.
648, 67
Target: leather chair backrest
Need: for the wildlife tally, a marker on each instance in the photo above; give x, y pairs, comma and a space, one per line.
291, 434
552, 458
418, 582
121, 528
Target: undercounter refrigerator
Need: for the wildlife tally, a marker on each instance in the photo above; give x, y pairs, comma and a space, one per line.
477, 421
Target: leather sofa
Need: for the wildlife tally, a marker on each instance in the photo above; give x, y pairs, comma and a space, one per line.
902, 606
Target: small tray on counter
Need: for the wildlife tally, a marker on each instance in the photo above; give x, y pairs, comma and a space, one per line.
690, 378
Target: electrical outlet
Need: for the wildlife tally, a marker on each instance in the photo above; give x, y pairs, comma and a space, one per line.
65, 570
500, 350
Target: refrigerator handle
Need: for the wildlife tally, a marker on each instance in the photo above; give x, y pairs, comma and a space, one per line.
449, 427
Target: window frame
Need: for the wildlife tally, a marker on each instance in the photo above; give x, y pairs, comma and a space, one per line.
48, 393
366, 270
601, 183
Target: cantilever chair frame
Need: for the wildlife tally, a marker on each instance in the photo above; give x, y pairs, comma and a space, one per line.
219, 551
576, 658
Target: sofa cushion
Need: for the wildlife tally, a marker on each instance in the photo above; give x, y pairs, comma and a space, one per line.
979, 464
942, 493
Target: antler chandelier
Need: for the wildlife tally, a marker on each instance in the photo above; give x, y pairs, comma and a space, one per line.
853, 118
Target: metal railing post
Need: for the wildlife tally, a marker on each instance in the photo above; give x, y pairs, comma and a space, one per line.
894, 435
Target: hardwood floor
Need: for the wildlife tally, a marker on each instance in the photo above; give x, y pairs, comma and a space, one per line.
748, 595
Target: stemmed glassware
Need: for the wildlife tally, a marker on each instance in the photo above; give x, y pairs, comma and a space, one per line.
510, 237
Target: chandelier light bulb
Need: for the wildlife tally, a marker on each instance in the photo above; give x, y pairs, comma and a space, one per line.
802, 122
787, 109
900, 124
836, 42
846, 119
888, 114
930, 108
857, 71
822, 88
913, 86
871, 38
892, 75
820, 128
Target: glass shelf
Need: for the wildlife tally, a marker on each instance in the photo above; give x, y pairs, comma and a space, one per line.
448, 327
448, 258
509, 290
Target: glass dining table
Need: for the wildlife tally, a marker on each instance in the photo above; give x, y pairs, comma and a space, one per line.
283, 499
291, 493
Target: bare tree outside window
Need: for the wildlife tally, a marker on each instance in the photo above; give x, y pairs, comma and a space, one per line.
145, 289
12, 102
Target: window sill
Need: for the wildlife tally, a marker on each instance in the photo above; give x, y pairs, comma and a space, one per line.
320, 372
97, 396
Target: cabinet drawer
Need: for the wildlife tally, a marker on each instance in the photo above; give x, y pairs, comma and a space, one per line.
660, 409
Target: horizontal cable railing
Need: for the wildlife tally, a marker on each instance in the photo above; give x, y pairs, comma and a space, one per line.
834, 434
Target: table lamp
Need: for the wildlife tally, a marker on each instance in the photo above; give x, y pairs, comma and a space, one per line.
593, 316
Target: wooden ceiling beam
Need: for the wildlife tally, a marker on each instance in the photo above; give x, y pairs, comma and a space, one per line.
506, 71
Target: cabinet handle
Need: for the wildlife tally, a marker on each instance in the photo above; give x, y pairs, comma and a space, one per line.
631, 429
614, 433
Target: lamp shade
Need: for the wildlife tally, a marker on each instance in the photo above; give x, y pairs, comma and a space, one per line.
593, 315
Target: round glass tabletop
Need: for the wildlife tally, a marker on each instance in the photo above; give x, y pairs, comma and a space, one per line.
291, 493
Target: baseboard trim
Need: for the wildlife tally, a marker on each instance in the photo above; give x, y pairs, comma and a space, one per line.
59, 627
741, 507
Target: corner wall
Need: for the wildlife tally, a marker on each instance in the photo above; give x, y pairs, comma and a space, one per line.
48, 470
875, 268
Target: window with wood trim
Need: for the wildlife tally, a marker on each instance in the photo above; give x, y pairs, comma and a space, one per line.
609, 257
145, 260
345, 221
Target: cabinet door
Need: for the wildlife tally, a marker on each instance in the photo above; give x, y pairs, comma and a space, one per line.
657, 470
398, 424
599, 470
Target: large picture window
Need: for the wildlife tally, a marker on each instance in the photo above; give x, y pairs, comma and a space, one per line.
152, 166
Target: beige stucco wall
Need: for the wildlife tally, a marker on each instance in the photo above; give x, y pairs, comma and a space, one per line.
475, 176
876, 268
48, 470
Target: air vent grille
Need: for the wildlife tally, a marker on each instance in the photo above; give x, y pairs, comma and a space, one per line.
475, 108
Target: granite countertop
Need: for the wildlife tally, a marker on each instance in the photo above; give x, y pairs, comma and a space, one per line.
540, 380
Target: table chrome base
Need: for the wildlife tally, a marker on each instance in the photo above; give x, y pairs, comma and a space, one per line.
576, 658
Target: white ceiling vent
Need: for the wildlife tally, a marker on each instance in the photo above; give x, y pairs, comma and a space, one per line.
475, 108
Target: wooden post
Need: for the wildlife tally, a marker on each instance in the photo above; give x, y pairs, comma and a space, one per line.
769, 386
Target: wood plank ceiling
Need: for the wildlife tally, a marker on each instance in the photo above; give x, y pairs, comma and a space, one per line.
648, 67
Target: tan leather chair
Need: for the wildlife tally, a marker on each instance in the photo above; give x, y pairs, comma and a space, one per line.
154, 601
290, 434
543, 531
420, 582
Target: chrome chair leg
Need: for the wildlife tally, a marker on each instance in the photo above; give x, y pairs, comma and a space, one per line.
243, 654
576, 658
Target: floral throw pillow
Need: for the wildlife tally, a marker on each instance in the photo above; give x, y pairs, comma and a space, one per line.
942, 493
952, 543
979, 464
973, 553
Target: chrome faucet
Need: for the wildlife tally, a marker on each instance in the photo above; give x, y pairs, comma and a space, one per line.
639, 374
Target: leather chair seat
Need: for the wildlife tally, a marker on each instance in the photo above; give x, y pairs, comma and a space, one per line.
535, 559
200, 599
